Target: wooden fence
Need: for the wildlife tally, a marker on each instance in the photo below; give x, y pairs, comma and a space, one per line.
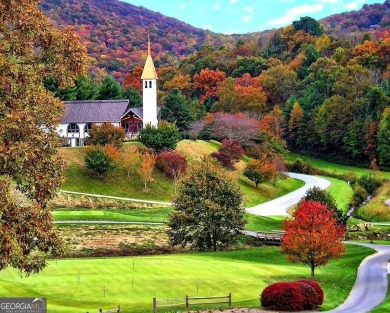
275, 236
188, 301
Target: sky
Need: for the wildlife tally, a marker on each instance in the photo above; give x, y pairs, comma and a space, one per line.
245, 16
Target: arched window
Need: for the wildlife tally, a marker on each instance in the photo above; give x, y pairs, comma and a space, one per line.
73, 128
150, 84
146, 84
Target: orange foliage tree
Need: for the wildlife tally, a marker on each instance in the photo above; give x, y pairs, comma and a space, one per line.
133, 79
148, 161
313, 237
206, 83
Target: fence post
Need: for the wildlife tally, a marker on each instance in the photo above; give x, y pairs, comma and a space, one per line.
230, 300
187, 303
154, 305
119, 308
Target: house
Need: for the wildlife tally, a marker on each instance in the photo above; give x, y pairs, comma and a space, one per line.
79, 116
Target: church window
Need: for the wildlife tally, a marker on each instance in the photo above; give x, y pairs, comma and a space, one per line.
150, 84
146, 84
88, 127
73, 128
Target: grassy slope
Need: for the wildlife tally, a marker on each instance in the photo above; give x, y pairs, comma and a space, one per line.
333, 167
376, 210
77, 286
78, 178
341, 192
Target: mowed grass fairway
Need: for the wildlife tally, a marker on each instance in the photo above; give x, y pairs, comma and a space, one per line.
81, 285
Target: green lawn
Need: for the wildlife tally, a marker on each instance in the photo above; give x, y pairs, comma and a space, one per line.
264, 223
341, 192
332, 167
80, 285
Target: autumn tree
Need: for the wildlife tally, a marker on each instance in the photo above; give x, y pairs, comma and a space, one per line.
147, 162
313, 236
31, 171
206, 83
133, 79
172, 163
99, 161
104, 134
295, 125
260, 171
215, 220
234, 126
130, 159
229, 153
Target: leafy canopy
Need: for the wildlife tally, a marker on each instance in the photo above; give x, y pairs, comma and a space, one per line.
208, 210
31, 172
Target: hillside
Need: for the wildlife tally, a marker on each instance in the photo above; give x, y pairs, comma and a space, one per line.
116, 33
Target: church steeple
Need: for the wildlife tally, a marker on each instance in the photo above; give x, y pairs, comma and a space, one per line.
149, 69
149, 95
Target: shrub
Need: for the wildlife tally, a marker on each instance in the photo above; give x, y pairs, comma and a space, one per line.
359, 195
97, 160
313, 296
165, 135
104, 134
283, 296
371, 184
293, 296
224, 159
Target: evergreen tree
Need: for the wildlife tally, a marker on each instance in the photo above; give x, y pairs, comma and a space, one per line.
86, 88
309, 25
384, 139
165, 135
176, 110
134, 96
109, 89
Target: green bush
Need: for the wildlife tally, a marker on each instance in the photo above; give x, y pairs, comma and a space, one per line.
164, 136
97, 160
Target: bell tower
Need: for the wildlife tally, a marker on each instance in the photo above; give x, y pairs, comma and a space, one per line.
149, 97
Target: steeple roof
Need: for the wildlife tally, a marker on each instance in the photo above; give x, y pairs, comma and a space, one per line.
149, 69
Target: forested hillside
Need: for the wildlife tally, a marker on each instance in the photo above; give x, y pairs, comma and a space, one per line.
304, 89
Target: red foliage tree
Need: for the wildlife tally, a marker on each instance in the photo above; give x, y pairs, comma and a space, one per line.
234, 126
313, 236
206, 83
133, 79
172, 163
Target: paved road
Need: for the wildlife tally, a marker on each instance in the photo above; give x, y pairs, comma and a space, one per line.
370, 288
280, 205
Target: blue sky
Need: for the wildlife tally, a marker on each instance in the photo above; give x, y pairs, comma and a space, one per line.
243, 16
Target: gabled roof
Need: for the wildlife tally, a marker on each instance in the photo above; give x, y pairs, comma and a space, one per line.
94, 111
139, 111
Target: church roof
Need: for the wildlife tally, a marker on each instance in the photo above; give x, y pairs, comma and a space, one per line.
149, 69
94, 111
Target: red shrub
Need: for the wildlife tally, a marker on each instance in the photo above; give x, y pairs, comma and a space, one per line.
293, 296
283, 296
224, 159
317, 288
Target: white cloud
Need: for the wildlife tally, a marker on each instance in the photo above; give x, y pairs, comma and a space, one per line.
233, 1
182, 6
208, 26
351, 5
296, 12
216, 6
230, 32
250, 9
246, 19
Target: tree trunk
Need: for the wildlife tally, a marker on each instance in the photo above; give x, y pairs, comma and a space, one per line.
312, 267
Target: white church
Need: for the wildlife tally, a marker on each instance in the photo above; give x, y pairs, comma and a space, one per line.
79, 116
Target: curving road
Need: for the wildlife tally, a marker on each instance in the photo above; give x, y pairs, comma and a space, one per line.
370, 288
280, 205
